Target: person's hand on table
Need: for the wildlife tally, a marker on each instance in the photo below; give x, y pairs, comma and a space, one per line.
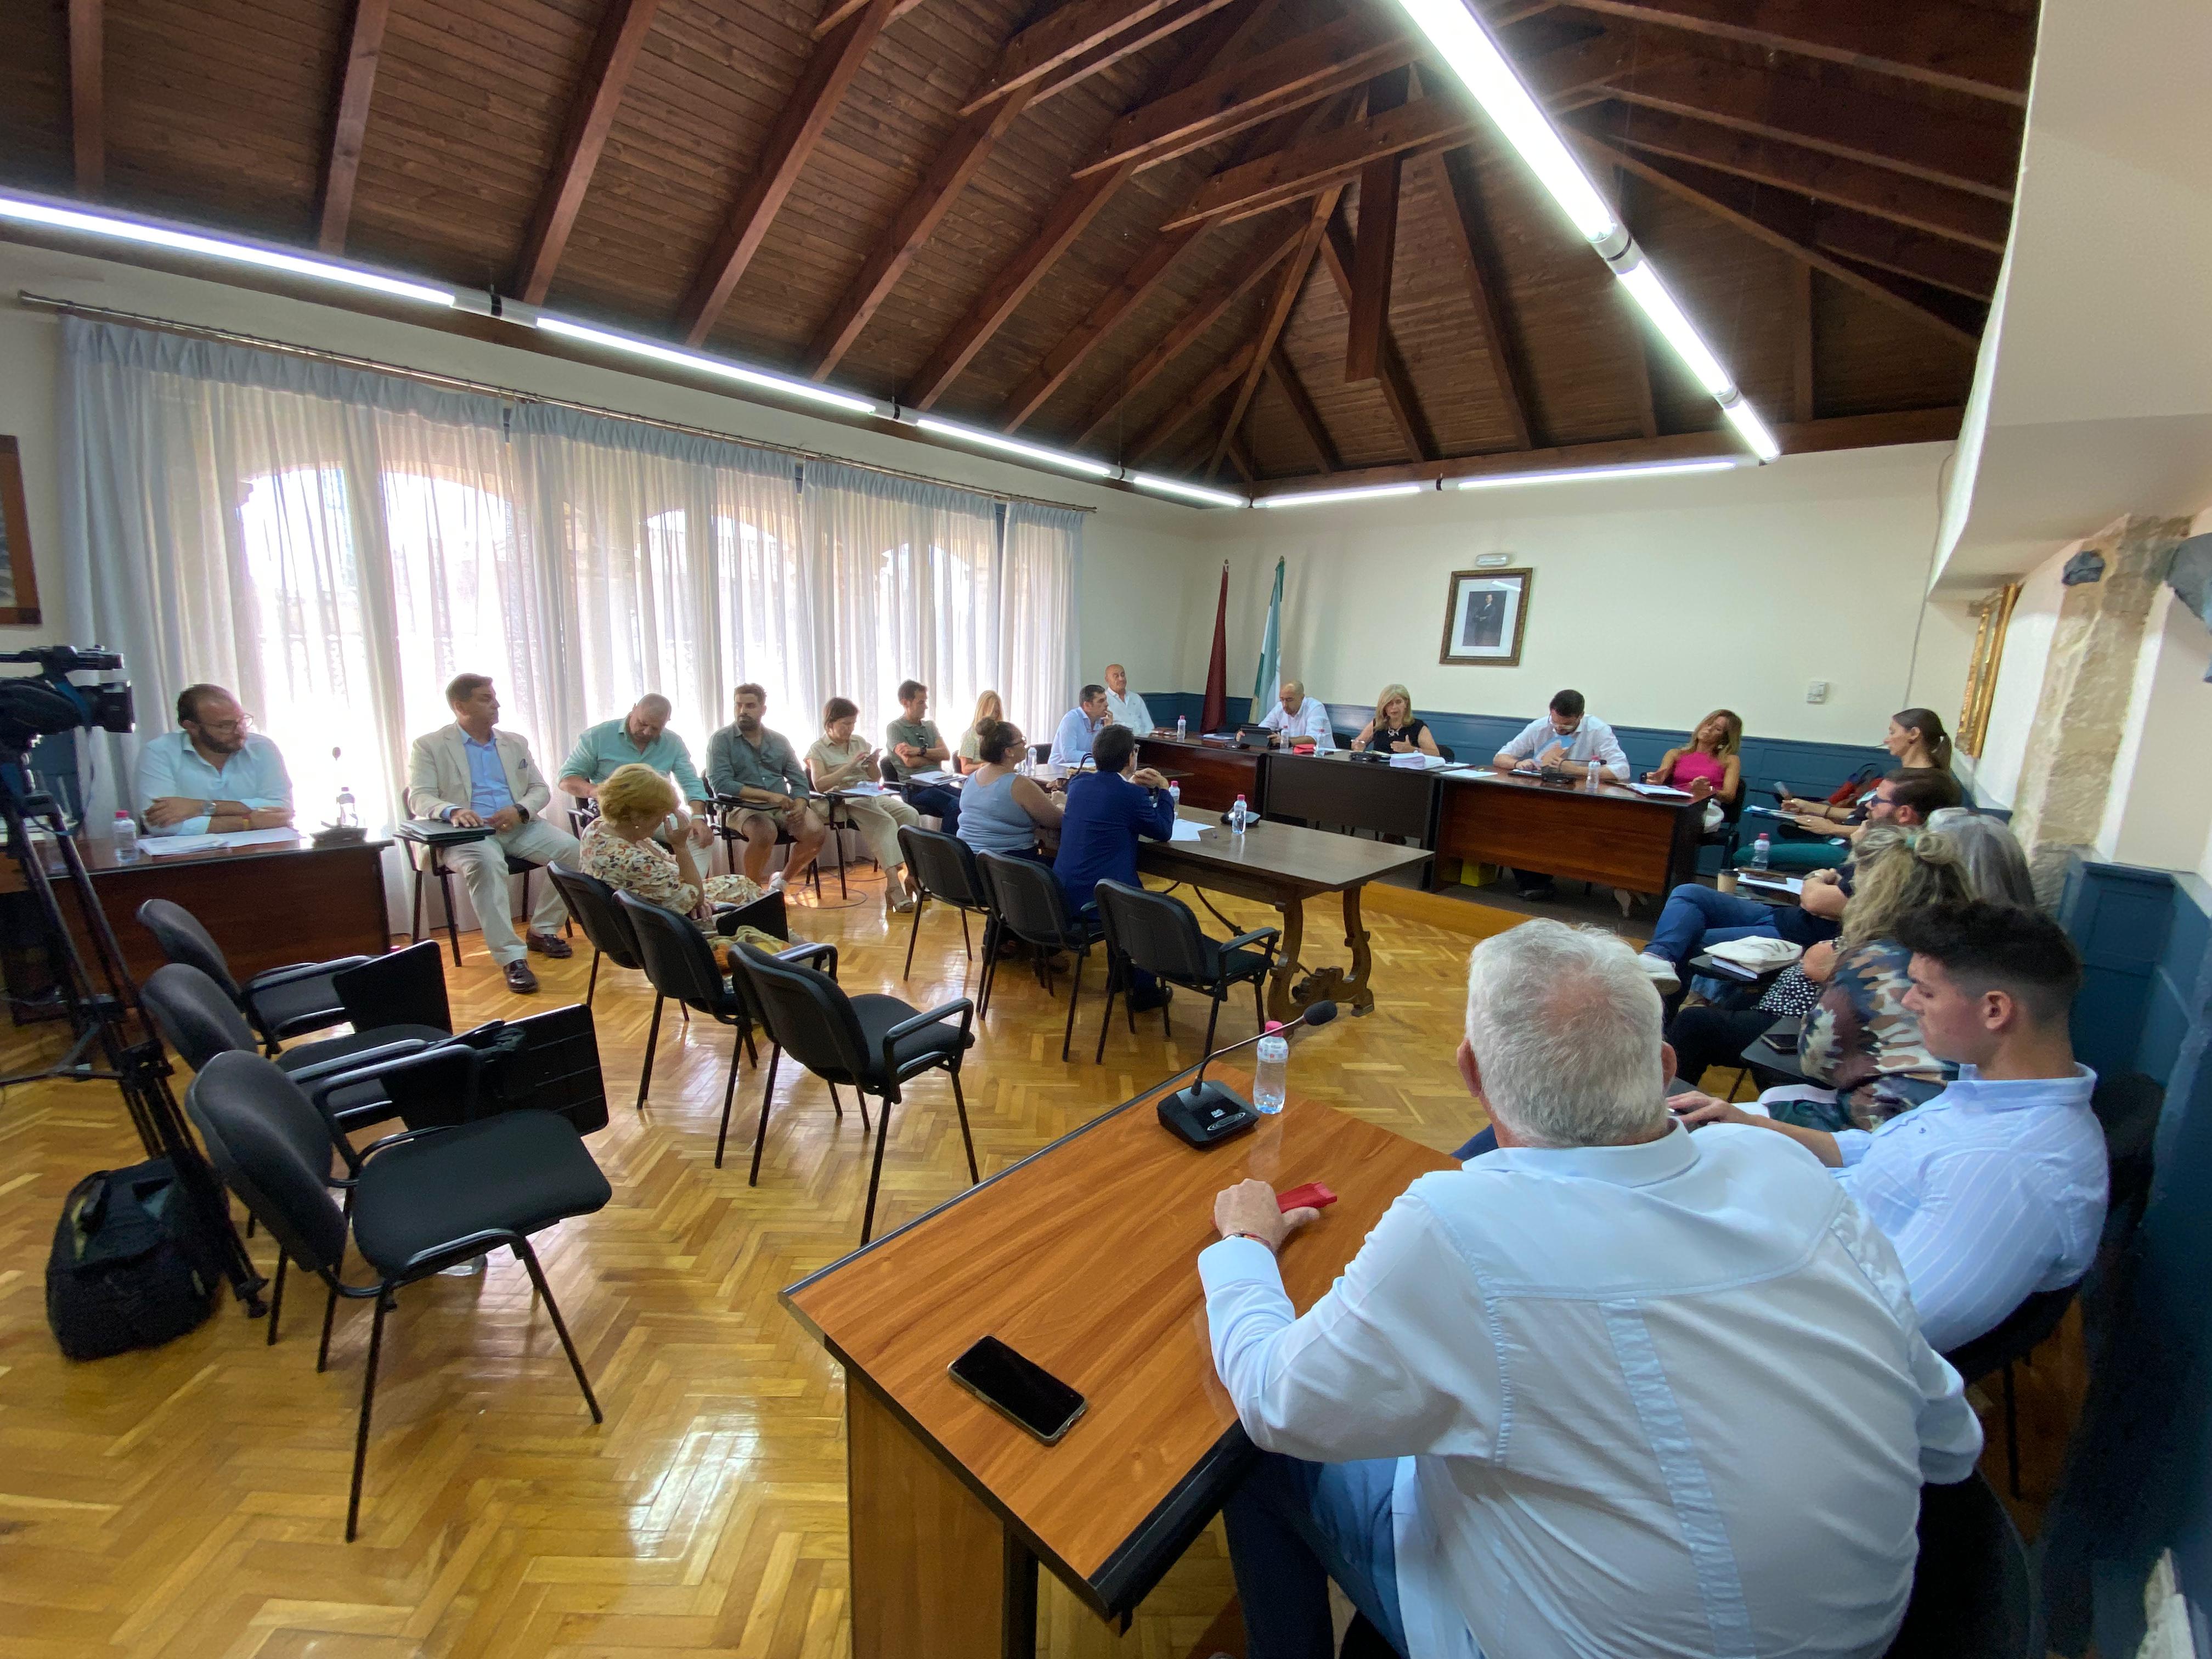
1813, 825
1148, 777
463, 819
1358, 744
1250, 1207
1552, 755
1401, 747
1700, 788
172, 809
1696, 1110
269, 818
506, 818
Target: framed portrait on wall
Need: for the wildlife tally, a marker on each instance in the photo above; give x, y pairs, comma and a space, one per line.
1993, 616
19, 585
1485, 612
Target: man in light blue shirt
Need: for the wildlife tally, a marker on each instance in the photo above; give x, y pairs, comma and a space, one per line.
1612, 1390
1566, 740
641, 738
215, 775
1996, 1188
1079, 728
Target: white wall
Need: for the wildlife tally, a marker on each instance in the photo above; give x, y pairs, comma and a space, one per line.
1659, 599
2020, 681
1135, 548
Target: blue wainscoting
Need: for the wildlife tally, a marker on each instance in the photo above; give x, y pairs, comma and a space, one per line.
2145, 938
1811, 769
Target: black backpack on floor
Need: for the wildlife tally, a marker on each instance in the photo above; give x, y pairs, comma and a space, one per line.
132, 1265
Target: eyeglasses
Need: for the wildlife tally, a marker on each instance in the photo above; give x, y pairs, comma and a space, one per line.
224, 728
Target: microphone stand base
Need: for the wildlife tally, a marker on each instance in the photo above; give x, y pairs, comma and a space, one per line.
1205, 1114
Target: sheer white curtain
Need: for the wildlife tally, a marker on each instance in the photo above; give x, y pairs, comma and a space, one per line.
335, 545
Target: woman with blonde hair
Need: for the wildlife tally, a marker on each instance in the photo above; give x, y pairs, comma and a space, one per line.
619, 848
1710, 766
838, 760
989, 711
1395, 729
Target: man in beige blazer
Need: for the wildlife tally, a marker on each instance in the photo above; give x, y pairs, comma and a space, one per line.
470, 774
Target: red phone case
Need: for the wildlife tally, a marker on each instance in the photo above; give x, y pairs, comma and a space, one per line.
1311, 1196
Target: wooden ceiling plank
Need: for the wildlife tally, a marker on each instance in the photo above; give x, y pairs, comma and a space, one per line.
1972, 272
349, 127
1375, 250
920, 213
1396, 384
591, 117
1070, 216
1287, 288
1781, 223
1201, 397
1981, 157
1240, 456
1442, 120
1971, 49
1940, 210
1804, 397
87, 103
839, 10
1177, 15
798, 127
1285, 377
1469, 227
1057, 38
1207, 310
1137, 284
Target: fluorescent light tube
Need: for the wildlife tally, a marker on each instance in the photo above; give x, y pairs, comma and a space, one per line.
26, 211
1318, 497
718, 367
1754, 431
1190, 491
1475, 57
1644, 288
999, 441
1649, 469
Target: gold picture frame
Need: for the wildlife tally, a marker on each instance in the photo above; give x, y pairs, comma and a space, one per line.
1993, 615
1486, 614
19, 581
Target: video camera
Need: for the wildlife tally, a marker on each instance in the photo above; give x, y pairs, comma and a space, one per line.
48, 701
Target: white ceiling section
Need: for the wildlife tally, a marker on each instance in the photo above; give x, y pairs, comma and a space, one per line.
2093, 394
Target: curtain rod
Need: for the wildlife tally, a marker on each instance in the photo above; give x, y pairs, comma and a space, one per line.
486, 388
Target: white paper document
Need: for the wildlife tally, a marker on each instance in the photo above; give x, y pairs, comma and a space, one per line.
169, 846
1185, 830
1661, 791
861, 789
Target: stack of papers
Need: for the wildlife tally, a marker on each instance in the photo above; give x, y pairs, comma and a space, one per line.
861, 789
161, 846
1185, 830
1661, 791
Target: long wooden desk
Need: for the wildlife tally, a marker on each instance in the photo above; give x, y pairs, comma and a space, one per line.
1214, 774
1613, 836
1336, 788
266, 906
1283, 864
1082, 1257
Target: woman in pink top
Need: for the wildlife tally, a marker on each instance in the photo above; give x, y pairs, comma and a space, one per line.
1708, 766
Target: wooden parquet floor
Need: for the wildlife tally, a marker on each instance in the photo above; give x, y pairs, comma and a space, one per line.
190, 1501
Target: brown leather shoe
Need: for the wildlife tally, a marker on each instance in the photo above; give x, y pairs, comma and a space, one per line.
549, 944
519, 976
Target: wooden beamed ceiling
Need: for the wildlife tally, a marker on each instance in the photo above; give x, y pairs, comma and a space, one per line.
1269, 239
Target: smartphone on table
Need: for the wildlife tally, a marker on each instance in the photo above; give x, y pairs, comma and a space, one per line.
1016, 1385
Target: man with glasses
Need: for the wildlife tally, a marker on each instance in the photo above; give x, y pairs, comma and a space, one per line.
215, 775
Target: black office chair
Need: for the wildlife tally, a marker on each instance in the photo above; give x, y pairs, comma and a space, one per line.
875, 1043
420, 1202
943, 868
1157, 933
425, 859
591, 902
733, 842
2127, 1105
1027, 902
280, 1002
680, 963
1973, 1595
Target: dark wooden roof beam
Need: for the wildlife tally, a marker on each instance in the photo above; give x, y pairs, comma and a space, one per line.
1396, 384
350, 126
1982, 157
591, 117
1976, 221
87, 105
1976, 49
1281, 371
1929, 259
1204, 396
798, 127
1137, 285
1467, 226
1375, 249
1287, 288
839, 10
1061, 37
1804, 397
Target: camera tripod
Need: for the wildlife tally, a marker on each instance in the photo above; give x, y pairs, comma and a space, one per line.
104, 1047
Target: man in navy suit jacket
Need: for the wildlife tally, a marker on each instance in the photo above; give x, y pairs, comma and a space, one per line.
1107, 812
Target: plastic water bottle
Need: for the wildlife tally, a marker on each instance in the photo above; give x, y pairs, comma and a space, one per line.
126, 839
1182, 728
1174, 797
1269, 1073
1762, 850
349, 809
1589, 777
1239, 815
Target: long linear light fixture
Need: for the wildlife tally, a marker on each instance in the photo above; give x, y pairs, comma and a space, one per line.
30, 210
1638, 470
1323, 497
1466, 45
721, 367
1004, 445
1191, 492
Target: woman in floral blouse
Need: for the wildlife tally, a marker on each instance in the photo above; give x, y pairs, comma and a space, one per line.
619, 849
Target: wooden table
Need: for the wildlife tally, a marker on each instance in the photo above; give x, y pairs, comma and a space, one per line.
1212, 774
1282, 865
267, 906
1333, 786
1611, 837
1082, 1258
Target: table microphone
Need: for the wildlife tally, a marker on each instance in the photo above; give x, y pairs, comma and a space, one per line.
1207, 1113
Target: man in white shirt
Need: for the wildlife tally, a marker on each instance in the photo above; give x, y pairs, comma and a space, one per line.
1565, 739
1996, 1188
1295, 715
215, 775
1123, 706
1080, 728
1610, 1390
